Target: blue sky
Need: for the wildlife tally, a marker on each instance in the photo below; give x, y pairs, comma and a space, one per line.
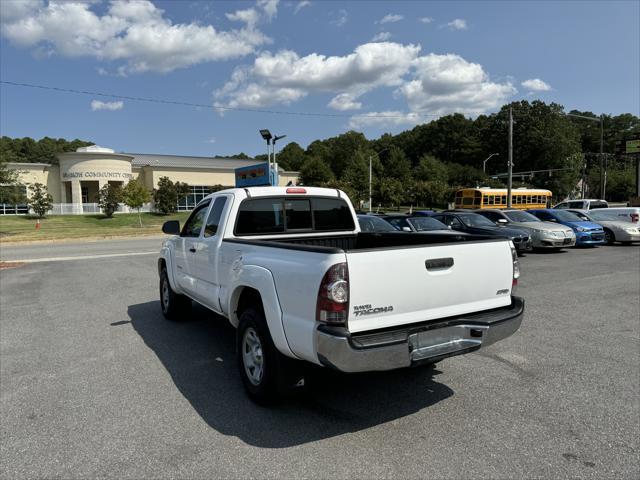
376, 66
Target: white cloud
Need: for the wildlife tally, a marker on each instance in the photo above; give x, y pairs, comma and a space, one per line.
448, 83
341, 18
136, 33
286, 77
426, 20
345, 101
390, 18
381, 37
98, 105
457, 24
300, 5
536, 85
270, 7
210, 140
384, 119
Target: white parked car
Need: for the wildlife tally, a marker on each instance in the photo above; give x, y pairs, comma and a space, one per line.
291, 270
583, 204
625, 214
615, 230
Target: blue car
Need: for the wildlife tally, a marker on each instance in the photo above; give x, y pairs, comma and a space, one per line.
587, 233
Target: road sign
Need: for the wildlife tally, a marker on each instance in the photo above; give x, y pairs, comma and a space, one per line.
633, 146
253, 175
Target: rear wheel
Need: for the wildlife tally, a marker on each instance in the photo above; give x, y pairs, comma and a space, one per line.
174, 306
609, 237
265, 372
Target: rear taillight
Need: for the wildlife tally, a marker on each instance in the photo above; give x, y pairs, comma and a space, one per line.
333, 296
516, 268
296, 190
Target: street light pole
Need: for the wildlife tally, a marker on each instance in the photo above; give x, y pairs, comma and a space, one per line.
369, 183
484, 163
510, 166
603, 171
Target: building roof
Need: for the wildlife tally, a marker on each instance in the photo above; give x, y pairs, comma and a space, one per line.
178, 161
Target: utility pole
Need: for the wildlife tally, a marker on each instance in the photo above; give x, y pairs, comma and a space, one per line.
369, 183
603, 171
510, 165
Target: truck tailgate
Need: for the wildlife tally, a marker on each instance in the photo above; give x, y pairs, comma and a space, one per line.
392, 287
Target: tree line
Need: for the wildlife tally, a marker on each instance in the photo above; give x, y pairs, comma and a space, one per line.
426, 164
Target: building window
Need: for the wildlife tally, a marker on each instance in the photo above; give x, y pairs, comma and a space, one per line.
198, 192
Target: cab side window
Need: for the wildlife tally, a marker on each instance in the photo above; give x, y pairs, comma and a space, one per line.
211, 228
194, 223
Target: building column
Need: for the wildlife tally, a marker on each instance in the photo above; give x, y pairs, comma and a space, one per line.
76, 197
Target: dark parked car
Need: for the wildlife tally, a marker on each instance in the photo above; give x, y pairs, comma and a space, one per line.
415, 223
372, 223
470, 222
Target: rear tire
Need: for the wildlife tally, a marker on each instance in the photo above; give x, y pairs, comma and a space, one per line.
174, 306
264, 371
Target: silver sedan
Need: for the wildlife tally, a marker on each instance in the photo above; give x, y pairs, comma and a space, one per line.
615, 230
543, 234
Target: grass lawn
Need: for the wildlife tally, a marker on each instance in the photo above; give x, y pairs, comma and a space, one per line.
17, 228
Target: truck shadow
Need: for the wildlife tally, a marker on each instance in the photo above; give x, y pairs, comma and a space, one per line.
199, 354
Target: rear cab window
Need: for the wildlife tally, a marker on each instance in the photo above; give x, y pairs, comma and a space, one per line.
287, 215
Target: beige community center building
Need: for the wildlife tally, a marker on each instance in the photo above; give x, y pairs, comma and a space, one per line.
75, 182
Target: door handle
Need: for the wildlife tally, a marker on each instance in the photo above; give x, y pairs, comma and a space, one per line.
192, 249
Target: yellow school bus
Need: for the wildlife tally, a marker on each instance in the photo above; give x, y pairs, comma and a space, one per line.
521, 198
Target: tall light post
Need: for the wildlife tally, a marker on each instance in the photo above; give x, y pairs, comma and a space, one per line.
273, 142
484, 162
603, 173
370, 173
510, 165
266, 134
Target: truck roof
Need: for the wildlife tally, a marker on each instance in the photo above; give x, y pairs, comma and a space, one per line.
280, 191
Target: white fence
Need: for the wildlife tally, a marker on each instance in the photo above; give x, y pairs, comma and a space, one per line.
70, 209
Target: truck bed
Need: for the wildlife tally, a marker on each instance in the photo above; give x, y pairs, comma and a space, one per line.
362, 241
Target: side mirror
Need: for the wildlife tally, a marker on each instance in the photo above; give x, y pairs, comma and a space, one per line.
502, 221
172, 227
406, 229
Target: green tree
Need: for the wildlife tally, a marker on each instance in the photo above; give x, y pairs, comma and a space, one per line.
432, 169
390, 191
134, 195
291, 157
40, 201
397, 165
357, 176
167, 195
432, 193
11, 191
109, 198
314, 172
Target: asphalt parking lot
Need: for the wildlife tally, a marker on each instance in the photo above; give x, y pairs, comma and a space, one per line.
95, 383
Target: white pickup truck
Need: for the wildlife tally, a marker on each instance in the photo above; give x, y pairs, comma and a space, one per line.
290, 269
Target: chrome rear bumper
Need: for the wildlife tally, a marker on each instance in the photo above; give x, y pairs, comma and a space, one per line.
426, 342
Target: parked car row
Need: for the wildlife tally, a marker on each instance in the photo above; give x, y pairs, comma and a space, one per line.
550, 228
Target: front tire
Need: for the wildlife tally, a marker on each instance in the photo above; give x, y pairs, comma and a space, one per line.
174, 306
609, 237
263, 369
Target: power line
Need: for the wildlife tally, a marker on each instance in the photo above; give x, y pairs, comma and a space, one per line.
202, 105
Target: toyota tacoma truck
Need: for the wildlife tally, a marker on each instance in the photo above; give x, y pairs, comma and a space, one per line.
291, 270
